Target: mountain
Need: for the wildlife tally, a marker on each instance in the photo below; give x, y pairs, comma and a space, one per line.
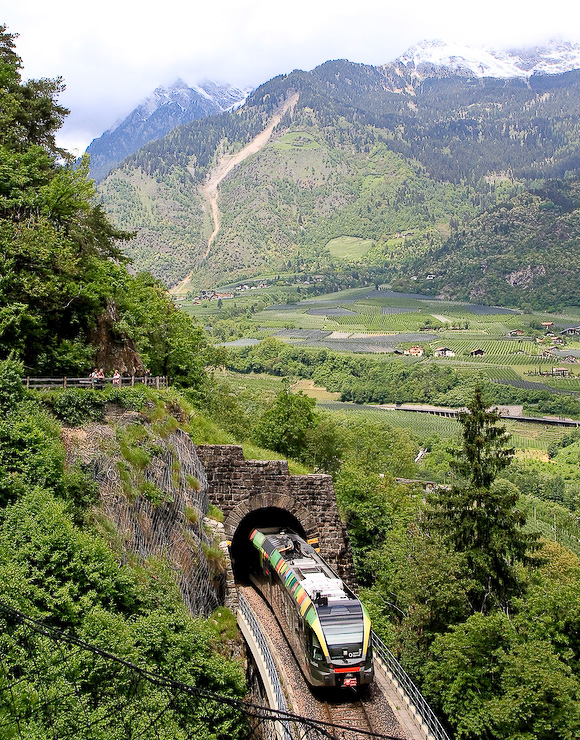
525, 252
165, 108
395, 162
434, 58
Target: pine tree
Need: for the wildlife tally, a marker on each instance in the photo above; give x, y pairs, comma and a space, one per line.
479, 519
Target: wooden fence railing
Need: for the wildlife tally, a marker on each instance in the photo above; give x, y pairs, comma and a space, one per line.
154, 381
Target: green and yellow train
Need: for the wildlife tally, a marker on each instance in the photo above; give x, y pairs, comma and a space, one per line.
326, 626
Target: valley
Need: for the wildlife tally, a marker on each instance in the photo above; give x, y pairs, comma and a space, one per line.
373, 334
473, 184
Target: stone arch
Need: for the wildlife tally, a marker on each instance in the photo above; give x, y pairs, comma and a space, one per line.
270, 501
263, 511
241, 487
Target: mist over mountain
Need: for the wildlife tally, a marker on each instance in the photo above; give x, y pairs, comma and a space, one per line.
400, 158
165, 108
434, 58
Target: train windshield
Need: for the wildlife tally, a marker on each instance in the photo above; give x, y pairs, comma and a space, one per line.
343, 627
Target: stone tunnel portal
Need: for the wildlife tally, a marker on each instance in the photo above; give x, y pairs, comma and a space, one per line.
242, 550
254, 493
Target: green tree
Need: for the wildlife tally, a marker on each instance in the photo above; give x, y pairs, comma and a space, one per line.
60, 254
475, 517
167, 339
284, 427
11, 388
494, 685
485, 450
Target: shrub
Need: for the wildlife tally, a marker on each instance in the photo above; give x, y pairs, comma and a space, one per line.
11, 388
75, 406
214, 513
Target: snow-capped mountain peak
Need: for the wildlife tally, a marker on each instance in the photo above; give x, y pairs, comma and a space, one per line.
218, 97
166, 107
431, 57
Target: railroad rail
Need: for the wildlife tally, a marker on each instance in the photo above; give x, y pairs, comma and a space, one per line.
260, 649
348, 714
383, 712
385, 660
154, 381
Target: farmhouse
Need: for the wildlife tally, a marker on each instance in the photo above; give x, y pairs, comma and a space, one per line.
571, 331
516, 333
444, 352
477, 352
415, 351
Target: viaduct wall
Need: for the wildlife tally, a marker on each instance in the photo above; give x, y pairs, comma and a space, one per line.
240, 487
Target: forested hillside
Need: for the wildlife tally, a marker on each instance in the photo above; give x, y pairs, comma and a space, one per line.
365, 153
66, 295
524, 252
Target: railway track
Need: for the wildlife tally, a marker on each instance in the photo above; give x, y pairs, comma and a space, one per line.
349, 718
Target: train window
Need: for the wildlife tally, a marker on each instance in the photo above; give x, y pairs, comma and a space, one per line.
342, 623
317, 653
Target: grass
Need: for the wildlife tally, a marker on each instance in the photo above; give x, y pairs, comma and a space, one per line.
268, 385
253, 452
296, 140
349, 247
309, 389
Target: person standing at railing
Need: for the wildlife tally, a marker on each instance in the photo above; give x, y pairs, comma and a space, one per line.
94, 376
116, 378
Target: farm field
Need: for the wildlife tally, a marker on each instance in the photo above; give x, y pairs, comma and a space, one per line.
256, 382
349, 247
391, 320
525, 436
385, 323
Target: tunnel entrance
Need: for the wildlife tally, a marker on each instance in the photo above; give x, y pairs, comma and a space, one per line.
242, 550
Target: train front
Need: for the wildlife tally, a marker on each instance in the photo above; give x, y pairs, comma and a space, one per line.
346, 629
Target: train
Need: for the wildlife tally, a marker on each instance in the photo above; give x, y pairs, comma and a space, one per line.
327, 627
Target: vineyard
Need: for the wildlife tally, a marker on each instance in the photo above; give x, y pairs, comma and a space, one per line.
460, 327
423, 425
525, 436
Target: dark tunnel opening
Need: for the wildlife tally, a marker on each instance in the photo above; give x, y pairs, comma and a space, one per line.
242, 550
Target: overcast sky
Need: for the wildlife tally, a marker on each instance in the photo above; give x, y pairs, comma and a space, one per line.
113, 53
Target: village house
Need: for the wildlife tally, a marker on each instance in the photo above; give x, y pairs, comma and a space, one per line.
478, 352
444, 352
415, 351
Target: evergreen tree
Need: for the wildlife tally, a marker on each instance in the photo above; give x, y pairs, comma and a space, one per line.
477, 518
62, 268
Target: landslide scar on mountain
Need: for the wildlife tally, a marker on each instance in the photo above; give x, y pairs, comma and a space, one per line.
227, 163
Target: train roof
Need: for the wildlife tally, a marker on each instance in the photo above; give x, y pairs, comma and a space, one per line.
321, 597
302, 562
